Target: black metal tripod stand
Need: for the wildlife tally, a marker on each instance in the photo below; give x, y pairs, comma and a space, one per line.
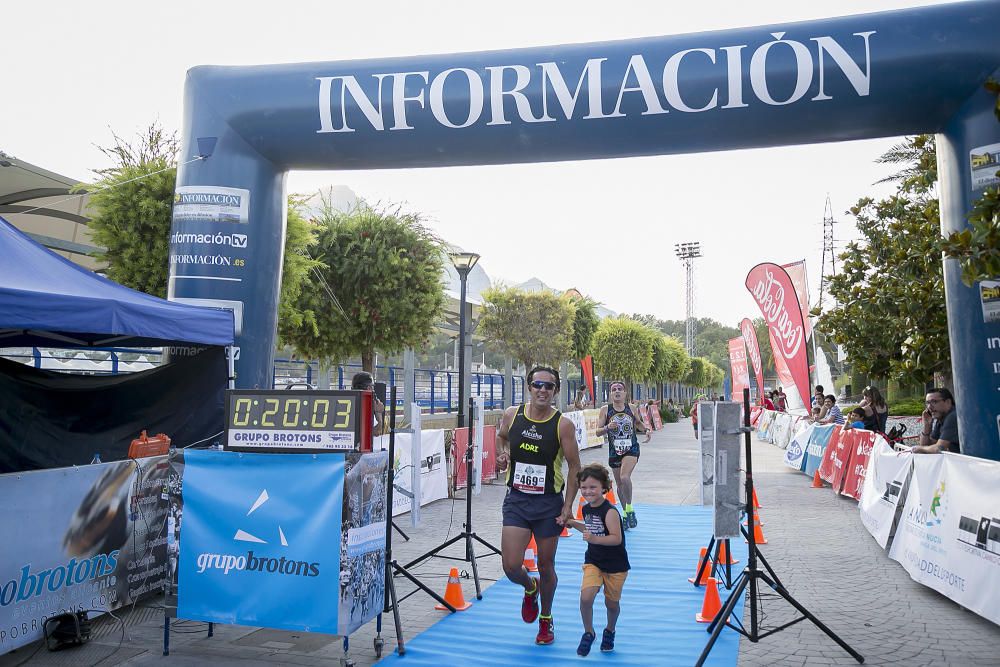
752, 573
467, 535
393, 568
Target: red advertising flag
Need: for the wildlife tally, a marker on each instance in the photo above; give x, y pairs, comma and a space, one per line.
753, 350
774, 293
587, 365
738, 367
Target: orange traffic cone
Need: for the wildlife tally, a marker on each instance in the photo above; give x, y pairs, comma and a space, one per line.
706, 574
817, 480
756, 518
565, 532
711, 605
530, 563
756, 503
610, 496
724, 554
758, 534
453, 593
579, 509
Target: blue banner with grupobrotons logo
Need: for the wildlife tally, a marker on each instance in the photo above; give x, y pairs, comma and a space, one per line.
262, 539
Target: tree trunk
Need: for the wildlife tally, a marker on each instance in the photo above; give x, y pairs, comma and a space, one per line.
368, 361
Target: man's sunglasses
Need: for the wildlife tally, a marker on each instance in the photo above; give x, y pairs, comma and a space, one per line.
541, 384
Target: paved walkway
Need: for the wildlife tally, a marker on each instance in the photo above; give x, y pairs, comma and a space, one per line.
817, 546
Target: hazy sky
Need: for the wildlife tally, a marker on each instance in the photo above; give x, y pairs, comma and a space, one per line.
74, 71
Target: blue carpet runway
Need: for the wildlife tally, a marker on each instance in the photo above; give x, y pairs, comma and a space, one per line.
656, 626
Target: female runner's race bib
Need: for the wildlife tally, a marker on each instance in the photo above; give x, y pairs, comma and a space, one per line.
529, 478
622, 445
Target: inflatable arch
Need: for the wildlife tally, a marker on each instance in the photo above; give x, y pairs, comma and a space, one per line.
858, 77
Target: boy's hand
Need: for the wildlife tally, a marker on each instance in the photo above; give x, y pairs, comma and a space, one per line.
587, 536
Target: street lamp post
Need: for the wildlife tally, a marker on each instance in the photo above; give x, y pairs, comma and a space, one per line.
463, 263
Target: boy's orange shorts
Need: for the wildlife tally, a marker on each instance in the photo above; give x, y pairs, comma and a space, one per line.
612, 581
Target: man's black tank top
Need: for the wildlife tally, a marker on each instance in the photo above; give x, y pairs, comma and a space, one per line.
536, 455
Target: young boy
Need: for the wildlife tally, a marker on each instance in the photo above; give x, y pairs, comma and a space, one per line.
855, 419
606, 562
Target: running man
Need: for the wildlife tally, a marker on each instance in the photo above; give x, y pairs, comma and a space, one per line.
620, 424
533, 440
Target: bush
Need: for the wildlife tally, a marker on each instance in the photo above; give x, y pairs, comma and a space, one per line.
668, 415
912, 407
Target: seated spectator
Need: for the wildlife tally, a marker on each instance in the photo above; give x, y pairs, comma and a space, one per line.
856, 419
814, 414
875, 409
833, 413
818, 397
940, 432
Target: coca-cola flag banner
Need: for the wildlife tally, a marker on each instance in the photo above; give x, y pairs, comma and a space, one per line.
774, 293
738, 367
753, 350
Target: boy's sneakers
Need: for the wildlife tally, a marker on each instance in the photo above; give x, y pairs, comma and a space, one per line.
631, 520
585, 642
529, 606
608, 641
545, 634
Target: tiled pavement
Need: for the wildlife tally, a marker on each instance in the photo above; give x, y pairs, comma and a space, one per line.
817, 547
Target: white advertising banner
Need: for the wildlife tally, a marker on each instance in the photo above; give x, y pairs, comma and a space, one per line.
796, 450
432, 464
949, 534
882, 490
579, 419
780, 432
764, 425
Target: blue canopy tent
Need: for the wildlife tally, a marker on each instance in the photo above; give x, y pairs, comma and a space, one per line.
46, 300
50, 419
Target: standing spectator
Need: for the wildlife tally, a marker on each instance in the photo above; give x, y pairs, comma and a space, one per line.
768, 400
581, 402
833, 413
940, 424
780, 400
875, 408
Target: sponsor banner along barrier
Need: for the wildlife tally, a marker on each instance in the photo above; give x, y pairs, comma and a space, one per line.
579, 420
592, 439
271, 540
433, 469
488, 466
836, 458
857, 465
888, 472
795, 453
644, 415
821, 437
764, 425
654, 411
90, 537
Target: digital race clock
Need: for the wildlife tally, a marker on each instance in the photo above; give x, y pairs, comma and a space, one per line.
298, 421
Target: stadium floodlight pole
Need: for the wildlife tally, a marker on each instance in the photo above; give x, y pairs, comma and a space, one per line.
687, 253
463, 263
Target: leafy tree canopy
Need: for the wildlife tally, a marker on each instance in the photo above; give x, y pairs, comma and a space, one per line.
623, 349
585, 321
711, 339
379, 289
532, 327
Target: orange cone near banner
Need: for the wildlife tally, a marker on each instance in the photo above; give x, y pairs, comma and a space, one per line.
565, 532
530, 562
711, 605
756, 503
758, 534
453, 593
579, 509
724, 554
756, 518
610, 496
817, 480
706, 574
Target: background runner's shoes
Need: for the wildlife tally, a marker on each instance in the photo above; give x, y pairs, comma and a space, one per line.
585, 643
608, 641
529, 606
545, 634
631, 520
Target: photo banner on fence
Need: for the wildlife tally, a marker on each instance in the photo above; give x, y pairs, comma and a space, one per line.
881, 494
948, 536
85, 537
261, 539
432, 465
819, 441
